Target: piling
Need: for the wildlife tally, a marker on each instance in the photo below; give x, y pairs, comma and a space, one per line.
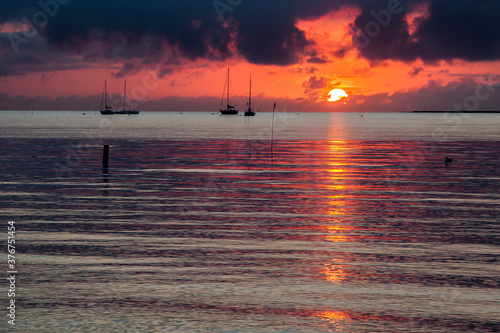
105, 157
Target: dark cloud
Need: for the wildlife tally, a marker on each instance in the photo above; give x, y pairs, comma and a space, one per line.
466, 29
307, 70
36, 57
340, 53
466, 94
316, 83
463, 29
263, 32
315, 58
267, 33
21, 102
155, 32
415, 71
130, 29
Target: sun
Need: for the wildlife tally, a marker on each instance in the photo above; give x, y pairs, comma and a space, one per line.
336, 95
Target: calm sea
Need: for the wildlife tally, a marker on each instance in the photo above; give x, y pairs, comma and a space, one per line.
206, 223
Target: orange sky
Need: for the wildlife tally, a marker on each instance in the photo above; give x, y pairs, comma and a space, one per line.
352, 73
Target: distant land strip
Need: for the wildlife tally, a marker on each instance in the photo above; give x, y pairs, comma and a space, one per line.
464, 111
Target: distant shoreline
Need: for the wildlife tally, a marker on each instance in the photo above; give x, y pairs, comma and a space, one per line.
452, 111
258, 111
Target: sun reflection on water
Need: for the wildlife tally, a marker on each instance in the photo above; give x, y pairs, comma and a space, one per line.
337, 187
333, 271
335, 318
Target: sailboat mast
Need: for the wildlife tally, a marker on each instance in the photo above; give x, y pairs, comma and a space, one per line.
228, 87
124, 94
250, 98
102, 97
106, 93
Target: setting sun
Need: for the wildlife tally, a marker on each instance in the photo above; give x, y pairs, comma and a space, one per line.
336, 95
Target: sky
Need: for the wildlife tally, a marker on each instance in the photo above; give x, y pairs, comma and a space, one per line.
387, 55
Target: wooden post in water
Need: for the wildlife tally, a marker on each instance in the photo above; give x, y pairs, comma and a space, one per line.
105, 157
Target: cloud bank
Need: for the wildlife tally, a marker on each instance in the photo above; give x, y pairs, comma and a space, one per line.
59, 33
463, 94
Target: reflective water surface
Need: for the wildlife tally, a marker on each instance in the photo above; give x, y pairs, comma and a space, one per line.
202, 223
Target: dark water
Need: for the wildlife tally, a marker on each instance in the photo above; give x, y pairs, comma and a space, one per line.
320, 223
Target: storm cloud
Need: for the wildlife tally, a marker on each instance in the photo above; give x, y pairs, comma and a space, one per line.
261, 31
466, 30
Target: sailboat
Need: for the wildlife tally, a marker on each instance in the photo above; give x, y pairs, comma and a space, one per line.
249, 112
124, 111
107, 109
229, 108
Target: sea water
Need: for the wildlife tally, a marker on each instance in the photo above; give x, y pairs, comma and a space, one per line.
284, 222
